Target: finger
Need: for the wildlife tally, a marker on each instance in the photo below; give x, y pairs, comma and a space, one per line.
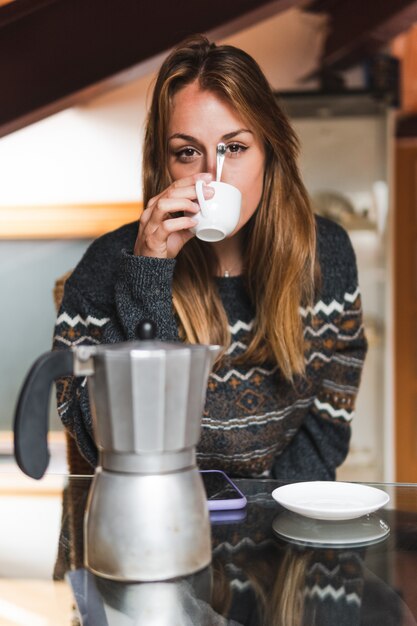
176, 224
184, 194
177, 186
158, 239
152, 219
189, 192
165, 206
145, 217
190, 181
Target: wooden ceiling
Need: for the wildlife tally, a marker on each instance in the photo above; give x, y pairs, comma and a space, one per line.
360, 28
56, 53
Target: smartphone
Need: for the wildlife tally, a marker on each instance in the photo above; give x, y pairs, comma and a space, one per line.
227, 517
222, 493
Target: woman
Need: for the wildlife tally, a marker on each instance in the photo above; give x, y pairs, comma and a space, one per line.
280, 293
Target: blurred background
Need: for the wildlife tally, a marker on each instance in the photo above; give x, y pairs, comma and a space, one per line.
75, 84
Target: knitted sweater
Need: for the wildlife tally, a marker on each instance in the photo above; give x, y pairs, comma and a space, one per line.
255, 423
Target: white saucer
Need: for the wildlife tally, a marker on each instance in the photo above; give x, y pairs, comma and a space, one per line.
330, 500
326, 534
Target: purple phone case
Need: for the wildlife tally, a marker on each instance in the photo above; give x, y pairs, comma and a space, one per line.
229, 516
226, 505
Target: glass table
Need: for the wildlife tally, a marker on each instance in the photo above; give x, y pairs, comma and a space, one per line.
269, 566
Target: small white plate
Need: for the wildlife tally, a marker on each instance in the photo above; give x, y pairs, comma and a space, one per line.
300, 530
330, 500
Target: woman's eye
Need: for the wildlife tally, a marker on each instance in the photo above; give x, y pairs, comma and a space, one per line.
186, 154
235, 148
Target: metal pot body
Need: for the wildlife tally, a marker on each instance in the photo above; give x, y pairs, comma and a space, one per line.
147, 527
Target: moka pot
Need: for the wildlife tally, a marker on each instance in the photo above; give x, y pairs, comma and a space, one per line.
146, 517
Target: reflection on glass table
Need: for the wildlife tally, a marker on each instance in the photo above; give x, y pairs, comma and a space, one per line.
352, 533
269, 567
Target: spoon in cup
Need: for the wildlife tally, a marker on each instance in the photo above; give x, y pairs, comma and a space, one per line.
221, 153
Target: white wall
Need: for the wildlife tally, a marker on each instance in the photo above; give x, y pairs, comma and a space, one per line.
81, 155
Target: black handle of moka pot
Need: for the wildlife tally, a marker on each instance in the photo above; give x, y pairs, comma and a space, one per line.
31, 415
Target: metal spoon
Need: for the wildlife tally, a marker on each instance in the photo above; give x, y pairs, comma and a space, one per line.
220, 152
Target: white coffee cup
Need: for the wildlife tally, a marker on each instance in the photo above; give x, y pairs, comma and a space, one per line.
219, 215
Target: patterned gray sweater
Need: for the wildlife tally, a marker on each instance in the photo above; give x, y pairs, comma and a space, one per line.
255, 423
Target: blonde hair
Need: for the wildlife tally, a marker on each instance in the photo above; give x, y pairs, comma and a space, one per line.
278, 584
285, 605
280, 238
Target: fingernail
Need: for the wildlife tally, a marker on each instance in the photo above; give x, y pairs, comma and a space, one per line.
207, 177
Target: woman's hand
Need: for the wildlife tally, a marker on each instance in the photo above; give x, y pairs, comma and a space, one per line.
160, 234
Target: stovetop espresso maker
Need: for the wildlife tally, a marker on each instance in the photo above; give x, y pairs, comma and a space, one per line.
146, 517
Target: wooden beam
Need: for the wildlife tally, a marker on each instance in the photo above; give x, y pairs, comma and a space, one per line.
53, 51
65, 221
404, 47
358, 29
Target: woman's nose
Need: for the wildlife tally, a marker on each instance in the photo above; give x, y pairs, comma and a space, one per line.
210, 165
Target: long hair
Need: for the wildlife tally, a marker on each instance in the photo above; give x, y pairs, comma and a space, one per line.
280, 238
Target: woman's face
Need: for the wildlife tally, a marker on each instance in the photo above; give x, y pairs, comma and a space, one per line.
199, 121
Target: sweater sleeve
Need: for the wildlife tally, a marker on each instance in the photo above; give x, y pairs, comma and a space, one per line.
90, 316
143, 290
337, 351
